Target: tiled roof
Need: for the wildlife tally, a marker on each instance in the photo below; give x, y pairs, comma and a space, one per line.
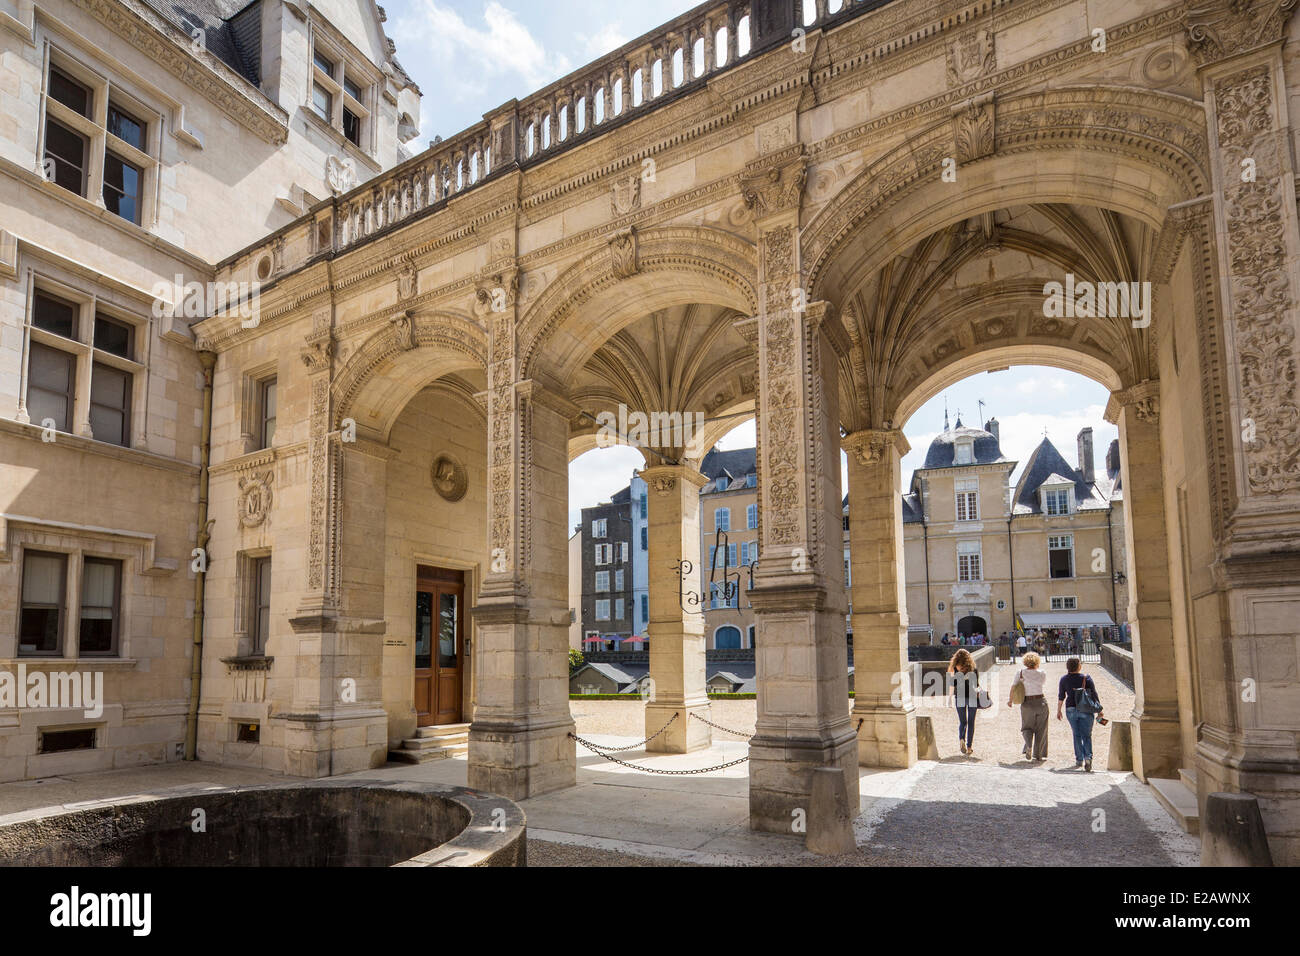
232, 29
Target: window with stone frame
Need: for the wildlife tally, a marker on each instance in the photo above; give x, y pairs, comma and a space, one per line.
602, 580
84, 372
98, 139
1060, 555
1056, 501
42, 606
101, 606
342, 90
1065, 603
602, 610
259, 604
967, 491
968, 561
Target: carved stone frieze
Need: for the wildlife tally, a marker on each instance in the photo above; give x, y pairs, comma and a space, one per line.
1217, 29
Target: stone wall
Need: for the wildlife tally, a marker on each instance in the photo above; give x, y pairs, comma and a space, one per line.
1119, 661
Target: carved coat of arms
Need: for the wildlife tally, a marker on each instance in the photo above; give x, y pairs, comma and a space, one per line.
255, 499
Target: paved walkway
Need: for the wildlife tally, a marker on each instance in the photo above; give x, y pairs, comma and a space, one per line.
995, 809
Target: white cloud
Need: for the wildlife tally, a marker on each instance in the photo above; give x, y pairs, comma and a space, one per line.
609, 37
598, 474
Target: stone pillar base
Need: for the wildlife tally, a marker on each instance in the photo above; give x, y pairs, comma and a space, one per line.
520, 758
781, 776
685, 734
1157, 746
1274, 781
324, 745
886, 737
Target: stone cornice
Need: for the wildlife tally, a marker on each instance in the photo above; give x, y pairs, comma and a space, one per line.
205, 72
1220, 30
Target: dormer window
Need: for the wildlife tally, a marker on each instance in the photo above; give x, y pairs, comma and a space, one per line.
340, 94
1056, 501
965, 453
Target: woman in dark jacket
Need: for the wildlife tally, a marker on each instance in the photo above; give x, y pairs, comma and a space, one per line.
1070, 694
964, 682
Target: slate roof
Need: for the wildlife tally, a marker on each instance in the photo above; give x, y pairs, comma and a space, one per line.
943, 449
232, 29
1046, 464
624, 676
734, 464
912, 512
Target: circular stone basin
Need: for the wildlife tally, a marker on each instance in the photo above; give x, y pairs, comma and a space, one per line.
317, 823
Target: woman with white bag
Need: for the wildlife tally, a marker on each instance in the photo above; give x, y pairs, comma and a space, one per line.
1028, 687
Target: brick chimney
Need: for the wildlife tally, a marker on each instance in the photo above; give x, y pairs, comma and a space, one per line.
991, 426
1085, 456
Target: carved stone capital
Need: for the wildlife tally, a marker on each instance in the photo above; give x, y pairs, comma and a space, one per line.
1143, 398
1222, 29
869, 447
973, 128
665, 480
547, 396
317, 355
499, 292
775, 183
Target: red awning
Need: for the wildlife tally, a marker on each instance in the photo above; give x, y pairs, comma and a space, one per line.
593, 640
634, 639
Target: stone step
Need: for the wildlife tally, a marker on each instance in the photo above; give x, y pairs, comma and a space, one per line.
443, 730
1175, 797
424, 755
436, 743
1188, 777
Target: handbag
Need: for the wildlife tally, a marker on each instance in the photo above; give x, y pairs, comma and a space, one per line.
1084, 701
983, 699
1018, 689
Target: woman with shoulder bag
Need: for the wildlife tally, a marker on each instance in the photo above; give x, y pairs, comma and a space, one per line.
964, 683
1029, 686
1078, 695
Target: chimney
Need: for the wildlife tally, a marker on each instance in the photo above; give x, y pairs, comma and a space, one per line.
1085, 456
1112, 459
991, 426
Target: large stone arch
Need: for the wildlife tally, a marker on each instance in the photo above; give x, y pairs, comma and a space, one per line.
391, 366
590, 301
1137, 152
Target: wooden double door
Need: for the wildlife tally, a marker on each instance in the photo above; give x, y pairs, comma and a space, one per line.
439, 645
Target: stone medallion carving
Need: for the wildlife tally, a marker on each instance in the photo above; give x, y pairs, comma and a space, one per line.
255, 499
340, 173
449, 478
626, 195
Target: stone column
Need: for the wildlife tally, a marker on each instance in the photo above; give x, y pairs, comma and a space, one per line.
798, 595
518, 743
337, 723
1250, 718
883, 711
1157, 742
676, 634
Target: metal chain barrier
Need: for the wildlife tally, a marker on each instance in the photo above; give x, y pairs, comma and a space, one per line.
595, 748
616, 750
727, 730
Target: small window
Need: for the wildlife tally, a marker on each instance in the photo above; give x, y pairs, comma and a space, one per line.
61, 741
323, 63
623, 552
751, 517
54, 315
602, 580
964, 453
618, 581
645, 606
126, 127
602, 610
261, 604
645, 539
101, 587
645, 507
1057, 502
322, 101
599, 528
246, 733
351, 127
122, 188
51, 378
1064, 604
267, 407
1060, 551
113, 336
351, 89
619, 610
41, 617
67, 149
110, 404
69, 92
722, 519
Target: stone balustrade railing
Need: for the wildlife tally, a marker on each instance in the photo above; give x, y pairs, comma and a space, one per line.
634, 79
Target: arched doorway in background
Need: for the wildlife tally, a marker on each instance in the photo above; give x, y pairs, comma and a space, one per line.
727, 638
972, 625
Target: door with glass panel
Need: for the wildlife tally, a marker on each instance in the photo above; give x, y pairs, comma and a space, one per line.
439, 643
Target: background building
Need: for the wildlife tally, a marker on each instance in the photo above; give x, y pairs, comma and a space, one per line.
728, 502
607, 575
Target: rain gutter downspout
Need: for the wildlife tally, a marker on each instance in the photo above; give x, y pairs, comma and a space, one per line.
208, 360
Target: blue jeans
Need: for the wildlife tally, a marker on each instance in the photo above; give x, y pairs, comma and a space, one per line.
1081, 727
966, 722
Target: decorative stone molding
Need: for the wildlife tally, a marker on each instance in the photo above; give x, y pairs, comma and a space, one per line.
408, 281
622, 250
973, 129
626, 195
970, 57
449, 478
255, 499
404, 330
663, 485
1219, 29
341, 174
317, 355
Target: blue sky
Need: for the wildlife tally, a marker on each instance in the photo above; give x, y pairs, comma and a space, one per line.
470, 56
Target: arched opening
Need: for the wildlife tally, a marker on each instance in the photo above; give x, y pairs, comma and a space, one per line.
727, 637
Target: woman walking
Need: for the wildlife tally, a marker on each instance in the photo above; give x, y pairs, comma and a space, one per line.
964, 683
1033, 710
1077, 694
